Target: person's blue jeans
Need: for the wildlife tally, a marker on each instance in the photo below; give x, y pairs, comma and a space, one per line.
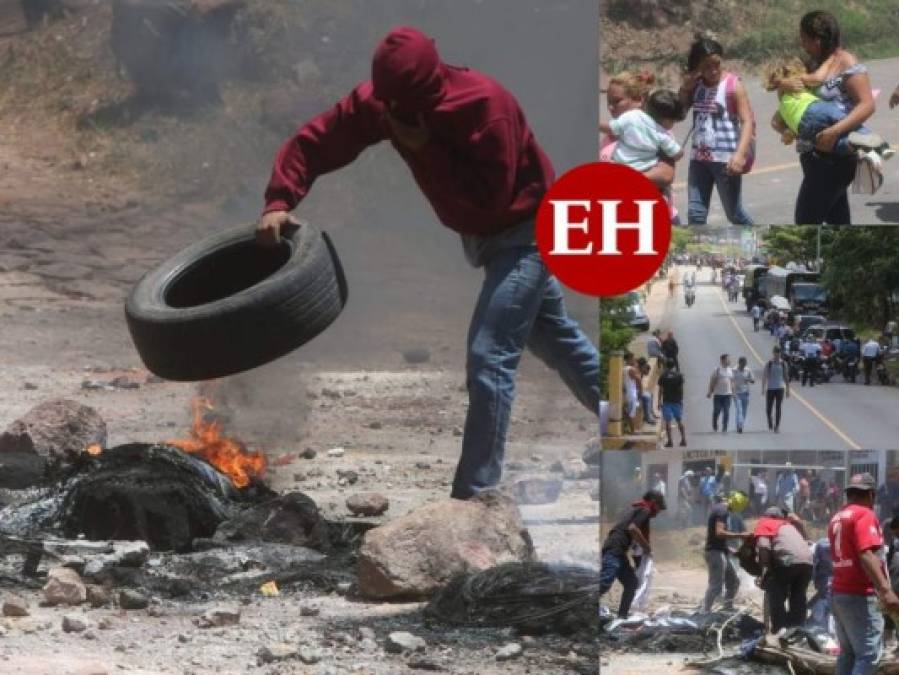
702, 176
859, 632
741, 408
520, 305
618, 567
822, 115
721, 407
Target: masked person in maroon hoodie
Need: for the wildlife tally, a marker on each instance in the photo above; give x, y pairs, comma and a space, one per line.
473, 155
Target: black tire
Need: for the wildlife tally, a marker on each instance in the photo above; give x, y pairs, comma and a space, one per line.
225, 305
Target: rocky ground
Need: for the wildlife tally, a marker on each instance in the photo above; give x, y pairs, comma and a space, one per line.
64, 269
84, 213
399, 425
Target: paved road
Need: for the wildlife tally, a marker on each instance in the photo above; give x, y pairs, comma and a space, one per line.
769, 192
832, 416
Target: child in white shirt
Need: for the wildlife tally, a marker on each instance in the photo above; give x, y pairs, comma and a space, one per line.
643, 134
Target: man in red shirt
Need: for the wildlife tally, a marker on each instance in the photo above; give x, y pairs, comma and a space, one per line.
473, 155
861, 585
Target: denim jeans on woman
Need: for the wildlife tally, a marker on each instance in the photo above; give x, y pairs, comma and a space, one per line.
859, 631
520, 305
702, 176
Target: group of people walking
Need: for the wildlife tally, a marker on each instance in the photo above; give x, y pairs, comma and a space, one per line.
822, 108
733, 385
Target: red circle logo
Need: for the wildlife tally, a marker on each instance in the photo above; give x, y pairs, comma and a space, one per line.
603, 229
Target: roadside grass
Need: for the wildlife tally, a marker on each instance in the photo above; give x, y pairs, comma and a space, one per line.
868, 27
757, 32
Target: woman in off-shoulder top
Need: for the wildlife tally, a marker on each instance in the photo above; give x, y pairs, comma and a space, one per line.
840, 78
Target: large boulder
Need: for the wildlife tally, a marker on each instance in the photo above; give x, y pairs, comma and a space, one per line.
413, 556
64, 587
54, 427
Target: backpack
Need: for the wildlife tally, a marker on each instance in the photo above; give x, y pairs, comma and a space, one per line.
730, 90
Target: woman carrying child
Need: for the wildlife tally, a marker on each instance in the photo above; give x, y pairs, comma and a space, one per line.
625, 93
839, 78
723, 130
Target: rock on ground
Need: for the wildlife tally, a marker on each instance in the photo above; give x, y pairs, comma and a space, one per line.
218, 617
53, 427
536, 491
367, 504
75, 623
402, 641
64, 587
13, 605
98, 596
276, 652
509, 651
413, 556
131, 599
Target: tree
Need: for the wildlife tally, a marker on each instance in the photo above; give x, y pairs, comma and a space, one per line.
796, 243
614, 335
861, 273
680, 238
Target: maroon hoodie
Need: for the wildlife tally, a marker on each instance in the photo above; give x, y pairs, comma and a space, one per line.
482, 169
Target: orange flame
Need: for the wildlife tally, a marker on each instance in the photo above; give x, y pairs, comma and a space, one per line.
94, 449
225, 454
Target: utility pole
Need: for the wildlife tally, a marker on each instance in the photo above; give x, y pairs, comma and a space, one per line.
818, 254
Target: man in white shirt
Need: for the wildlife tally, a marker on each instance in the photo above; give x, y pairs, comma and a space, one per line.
870, 352
658, 485
721, 387
756, 313
811, 350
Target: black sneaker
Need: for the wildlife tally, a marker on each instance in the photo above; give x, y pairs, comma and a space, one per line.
683, 442
669, 444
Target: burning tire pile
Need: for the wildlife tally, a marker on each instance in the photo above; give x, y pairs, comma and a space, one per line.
151, 527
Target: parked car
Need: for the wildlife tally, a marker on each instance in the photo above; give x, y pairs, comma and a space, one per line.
804, 321
829, 331
634, 315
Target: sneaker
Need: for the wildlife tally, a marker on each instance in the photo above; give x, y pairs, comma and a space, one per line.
886, 153
739, 430
669, 444
683, 442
